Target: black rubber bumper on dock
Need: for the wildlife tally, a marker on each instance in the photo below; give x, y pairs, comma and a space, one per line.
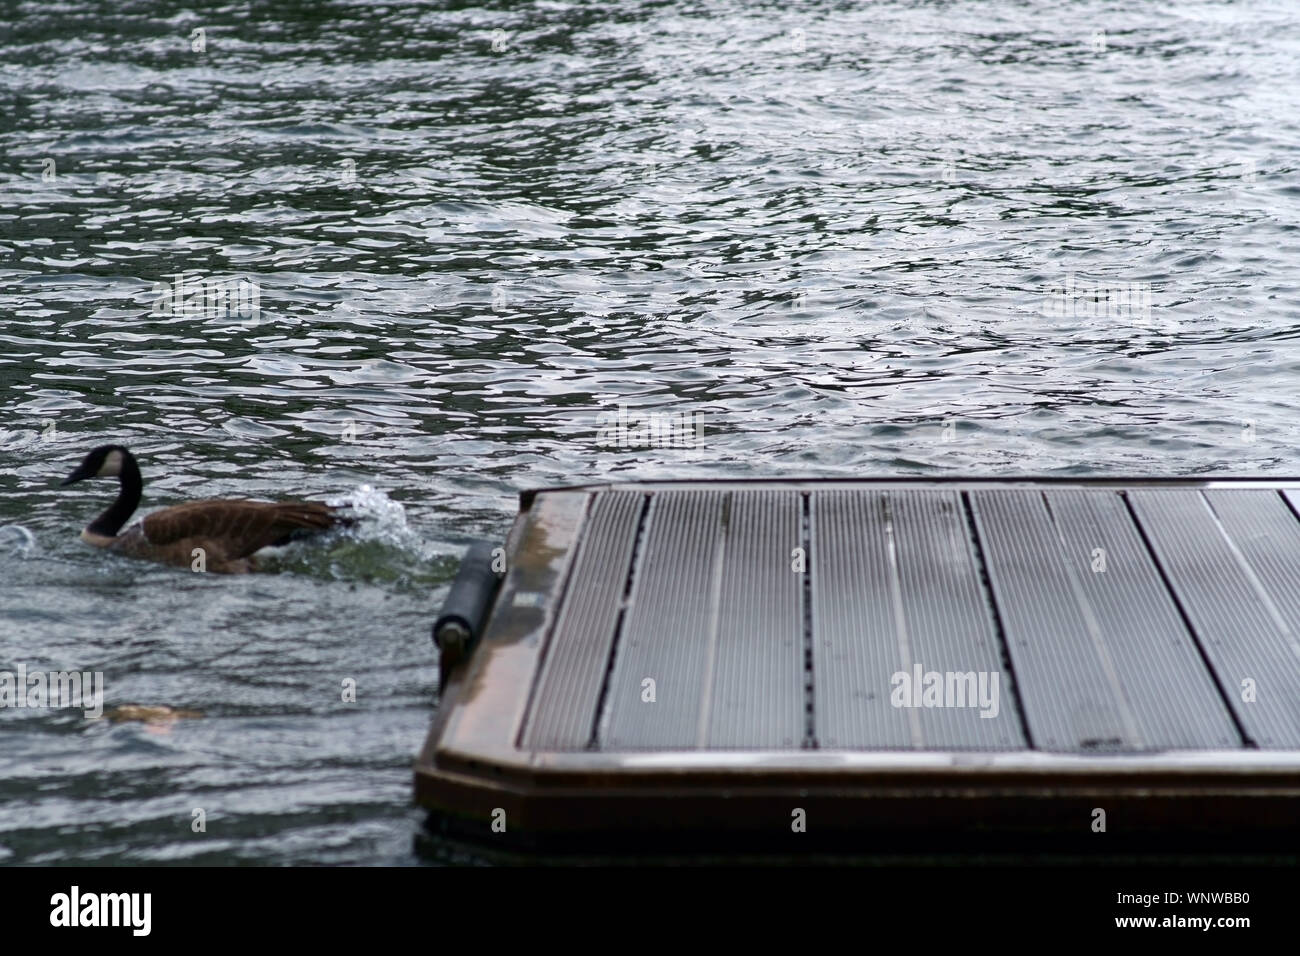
881, 657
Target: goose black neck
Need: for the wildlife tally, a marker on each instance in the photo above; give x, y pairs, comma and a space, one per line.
128, 499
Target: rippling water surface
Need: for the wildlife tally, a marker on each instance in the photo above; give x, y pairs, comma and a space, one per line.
829, 228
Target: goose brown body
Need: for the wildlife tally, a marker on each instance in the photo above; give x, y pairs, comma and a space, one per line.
219, 535
227, 532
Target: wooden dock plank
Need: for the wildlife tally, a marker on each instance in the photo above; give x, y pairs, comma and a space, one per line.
568, 692
1230, 573
1174, 699
669, 627
757, 692
1069, 684
855, 643
951, 625
896, 586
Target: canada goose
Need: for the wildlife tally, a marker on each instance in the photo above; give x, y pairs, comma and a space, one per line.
215, 535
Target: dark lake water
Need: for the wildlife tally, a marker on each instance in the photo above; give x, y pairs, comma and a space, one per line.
854, 238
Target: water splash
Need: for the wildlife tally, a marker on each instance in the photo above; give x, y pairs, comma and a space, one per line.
15, 539
378, 546
386, 517
14, 440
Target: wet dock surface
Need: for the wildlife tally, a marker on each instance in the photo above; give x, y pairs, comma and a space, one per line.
696, 648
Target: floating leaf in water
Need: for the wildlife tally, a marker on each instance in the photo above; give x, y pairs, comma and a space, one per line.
150, 714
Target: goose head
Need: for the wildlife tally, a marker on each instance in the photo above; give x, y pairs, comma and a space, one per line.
110, 461
106, 461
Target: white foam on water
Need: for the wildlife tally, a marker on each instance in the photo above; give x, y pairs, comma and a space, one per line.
380, 518
16, 539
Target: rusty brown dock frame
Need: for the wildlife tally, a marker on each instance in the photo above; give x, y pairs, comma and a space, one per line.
877, 658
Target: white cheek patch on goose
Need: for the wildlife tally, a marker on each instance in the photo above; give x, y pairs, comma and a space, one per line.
112, 466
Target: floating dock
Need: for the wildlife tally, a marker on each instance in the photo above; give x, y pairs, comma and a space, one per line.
872, 660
